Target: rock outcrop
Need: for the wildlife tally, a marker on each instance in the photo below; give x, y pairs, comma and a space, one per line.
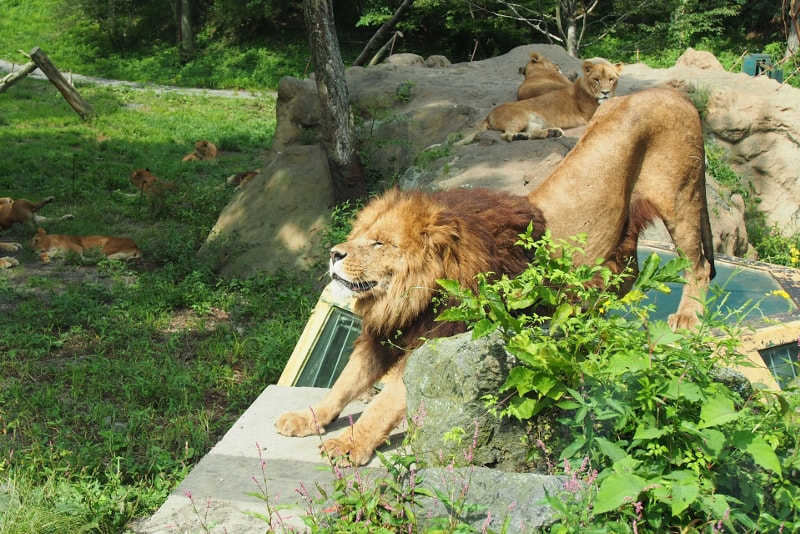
409, 104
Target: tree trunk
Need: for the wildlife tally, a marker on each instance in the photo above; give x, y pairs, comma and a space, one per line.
383, 33
793, 39
341, 145
185, 28
69, 93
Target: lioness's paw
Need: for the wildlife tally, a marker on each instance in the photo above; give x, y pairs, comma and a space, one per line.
7, 262
298, 424
554, 132
679, 321
345, 452
68, 216
10, 247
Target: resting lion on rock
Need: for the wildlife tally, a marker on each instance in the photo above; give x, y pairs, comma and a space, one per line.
641, 158
546, 115
541, 76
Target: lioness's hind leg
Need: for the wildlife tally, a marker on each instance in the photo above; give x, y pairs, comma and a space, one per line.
39, 219
687, 236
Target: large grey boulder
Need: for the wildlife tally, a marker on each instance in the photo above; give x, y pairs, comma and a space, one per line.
447, 380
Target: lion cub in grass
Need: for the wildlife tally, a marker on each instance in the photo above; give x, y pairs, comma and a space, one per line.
59, 245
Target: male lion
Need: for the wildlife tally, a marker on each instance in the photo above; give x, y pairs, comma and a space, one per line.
53, 245
21, 211
203, 150
541, 76
640, 158
546, 115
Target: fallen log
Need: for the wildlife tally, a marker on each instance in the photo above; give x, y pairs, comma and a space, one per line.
70, 94
13, 77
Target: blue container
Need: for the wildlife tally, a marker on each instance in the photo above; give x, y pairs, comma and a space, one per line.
756, 64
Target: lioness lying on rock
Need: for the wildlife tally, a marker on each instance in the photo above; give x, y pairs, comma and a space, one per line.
59, 245
640, 159
541, 76
21, 211
546, 115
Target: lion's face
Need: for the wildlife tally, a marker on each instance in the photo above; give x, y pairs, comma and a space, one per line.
385, 240
140, 177
40, 241
600, 79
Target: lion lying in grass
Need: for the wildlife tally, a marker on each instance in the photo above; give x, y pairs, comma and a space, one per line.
641, 158
148, 183
21, 211
203, 151
546, 115
50, 246
541, 76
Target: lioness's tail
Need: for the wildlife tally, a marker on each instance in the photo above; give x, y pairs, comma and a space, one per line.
470, 136
707, 240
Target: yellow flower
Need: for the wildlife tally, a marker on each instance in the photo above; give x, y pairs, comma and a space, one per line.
780, 293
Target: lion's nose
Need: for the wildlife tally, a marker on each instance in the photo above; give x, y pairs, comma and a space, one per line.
337, 255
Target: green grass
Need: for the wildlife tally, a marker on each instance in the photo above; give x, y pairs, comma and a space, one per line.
218, 64
116, 378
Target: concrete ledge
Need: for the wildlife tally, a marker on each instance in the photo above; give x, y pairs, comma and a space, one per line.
224, 485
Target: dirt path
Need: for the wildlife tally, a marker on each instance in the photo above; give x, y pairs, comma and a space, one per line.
6, 67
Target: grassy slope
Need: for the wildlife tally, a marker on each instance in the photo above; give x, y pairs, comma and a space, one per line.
115, 383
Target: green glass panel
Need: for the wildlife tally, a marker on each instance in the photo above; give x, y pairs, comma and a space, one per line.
782, 362
332, 350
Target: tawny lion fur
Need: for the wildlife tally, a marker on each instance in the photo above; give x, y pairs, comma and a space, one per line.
148, 183
49, 246
541, 76
546, 115
21, 211
641, 158
203, 150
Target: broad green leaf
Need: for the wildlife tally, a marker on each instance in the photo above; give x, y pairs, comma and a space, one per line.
651, 432
628, 361
685, 489
561, 314
662, 334
482, 328
616, 490
682, 388
756, 447
570, 450
610, 449
717, 410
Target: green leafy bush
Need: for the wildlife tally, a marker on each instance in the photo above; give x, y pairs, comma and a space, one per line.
675, 446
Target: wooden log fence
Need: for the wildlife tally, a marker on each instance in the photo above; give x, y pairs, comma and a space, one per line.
40, 60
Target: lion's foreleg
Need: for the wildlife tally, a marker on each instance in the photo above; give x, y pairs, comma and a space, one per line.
362, 371
355, 445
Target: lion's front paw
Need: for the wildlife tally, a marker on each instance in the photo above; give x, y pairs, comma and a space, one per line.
345, 452
554, 132
68, 216
298, 424
681, 321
